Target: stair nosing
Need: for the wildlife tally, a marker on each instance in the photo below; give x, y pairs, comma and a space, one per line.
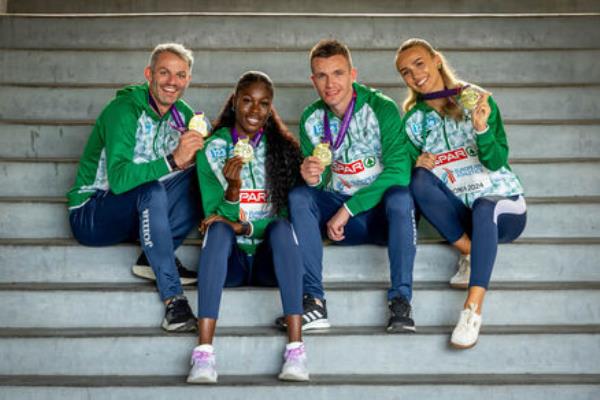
316, 380
249, 14
261, 331
149, 287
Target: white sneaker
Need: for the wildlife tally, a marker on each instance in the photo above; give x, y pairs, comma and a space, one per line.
295, 365
466, 332
203, 365
460, 280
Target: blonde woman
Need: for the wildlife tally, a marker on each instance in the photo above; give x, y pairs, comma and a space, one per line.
461, 181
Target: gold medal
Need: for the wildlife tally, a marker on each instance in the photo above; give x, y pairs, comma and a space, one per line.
469, 98
323, 153
198, 124
244, 149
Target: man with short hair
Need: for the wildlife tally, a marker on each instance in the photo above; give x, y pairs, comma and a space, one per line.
357, 174
135, 180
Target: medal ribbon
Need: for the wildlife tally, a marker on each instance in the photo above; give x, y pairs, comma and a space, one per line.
343, 129
442, 93
254, 141
179, 124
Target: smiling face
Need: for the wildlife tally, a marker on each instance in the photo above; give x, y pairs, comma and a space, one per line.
252, 107
332, 77
419, 69
168, 80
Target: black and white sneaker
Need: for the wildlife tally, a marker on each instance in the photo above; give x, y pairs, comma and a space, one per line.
400, 316
179, 316
142, 269
314, 316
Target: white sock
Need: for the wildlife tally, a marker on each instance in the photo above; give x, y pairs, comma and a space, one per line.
205, 347
293, 345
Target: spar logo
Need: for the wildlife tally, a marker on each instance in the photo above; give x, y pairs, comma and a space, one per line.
353, 168
249, 196
450, 156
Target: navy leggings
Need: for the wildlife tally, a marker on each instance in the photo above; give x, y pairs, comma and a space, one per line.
491, 220
224, 264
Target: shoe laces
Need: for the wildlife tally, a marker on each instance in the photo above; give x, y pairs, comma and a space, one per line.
470, 318
310, 304
294, 355
202, 357
399, 306
464, 264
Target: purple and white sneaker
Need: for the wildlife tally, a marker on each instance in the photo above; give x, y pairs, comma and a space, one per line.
295, 366
203, 365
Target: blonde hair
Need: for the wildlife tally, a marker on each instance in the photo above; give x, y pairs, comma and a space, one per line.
448, 76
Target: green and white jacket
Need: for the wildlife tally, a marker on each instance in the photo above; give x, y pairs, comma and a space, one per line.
372, 157
253, 205
428, 131
127, 146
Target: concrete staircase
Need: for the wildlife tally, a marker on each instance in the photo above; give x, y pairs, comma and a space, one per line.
75, 324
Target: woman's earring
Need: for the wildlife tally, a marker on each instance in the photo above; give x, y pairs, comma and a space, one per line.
439, 66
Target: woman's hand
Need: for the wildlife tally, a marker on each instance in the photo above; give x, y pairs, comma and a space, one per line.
426, 160
481, 113
232, 172
208, 221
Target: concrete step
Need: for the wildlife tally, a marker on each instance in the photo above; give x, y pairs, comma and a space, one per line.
548, 218
291, 67
137, 351
289, 31
542, 260
311, 6
77, 305
56, 140
540, 178
321, 387
76, 104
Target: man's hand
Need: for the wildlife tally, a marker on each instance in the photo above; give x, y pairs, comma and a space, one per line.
311, 170
481, 113
426, 160
185, 152
207, 222
335, 226
232, 171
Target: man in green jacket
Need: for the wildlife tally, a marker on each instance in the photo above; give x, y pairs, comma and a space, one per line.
356, 171
135, 180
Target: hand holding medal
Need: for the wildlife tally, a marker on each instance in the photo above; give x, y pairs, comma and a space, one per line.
198, 124
481, 113
244, 150
323, 153
469, 97
244, 146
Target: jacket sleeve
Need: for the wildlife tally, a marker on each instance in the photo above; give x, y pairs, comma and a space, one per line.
119, 125
213, 193
492, 145
395, 158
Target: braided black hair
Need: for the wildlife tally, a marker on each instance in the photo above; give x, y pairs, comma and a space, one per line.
283, 150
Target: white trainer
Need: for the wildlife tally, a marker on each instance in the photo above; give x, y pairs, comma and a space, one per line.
295, 366
203, 365
460, 280
466, 332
